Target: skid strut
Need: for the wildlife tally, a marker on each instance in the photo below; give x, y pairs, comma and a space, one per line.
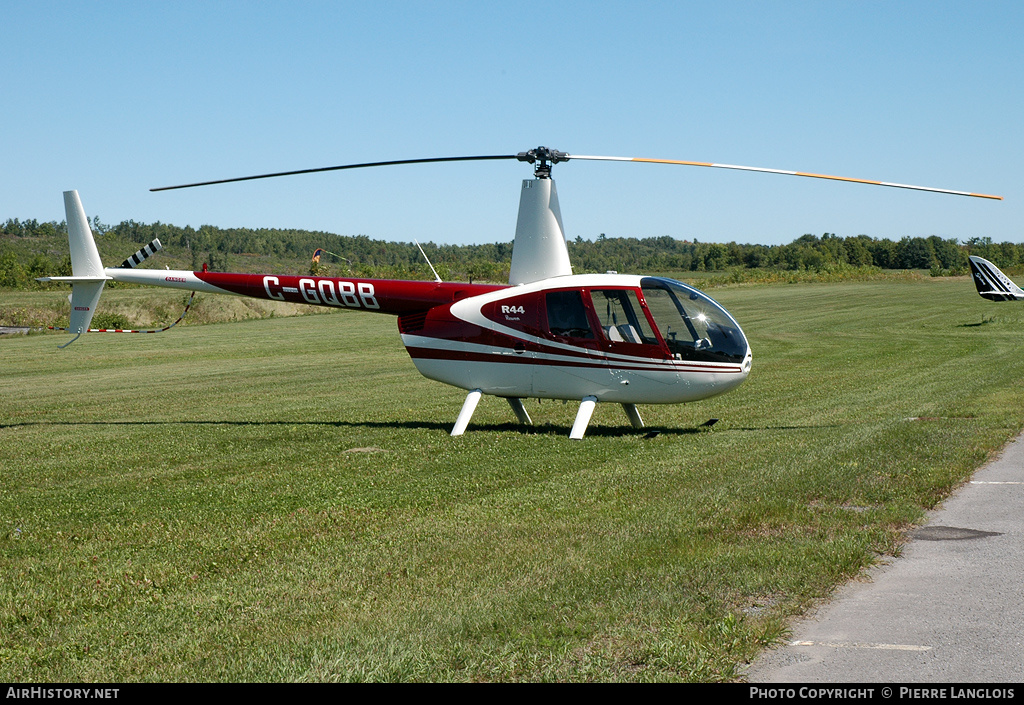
468, 407
579, 427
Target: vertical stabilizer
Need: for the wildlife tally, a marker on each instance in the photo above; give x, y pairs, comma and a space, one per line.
85, 258
88, 277
539, 251
84, 297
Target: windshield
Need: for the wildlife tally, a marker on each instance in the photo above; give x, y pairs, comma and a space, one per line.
693, 324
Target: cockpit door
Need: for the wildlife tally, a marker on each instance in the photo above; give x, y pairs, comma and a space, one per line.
570, 321
572, 363
625, 324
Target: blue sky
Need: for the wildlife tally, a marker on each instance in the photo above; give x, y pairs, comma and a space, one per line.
113, 98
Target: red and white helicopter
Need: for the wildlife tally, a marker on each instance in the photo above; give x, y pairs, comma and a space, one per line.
549, 333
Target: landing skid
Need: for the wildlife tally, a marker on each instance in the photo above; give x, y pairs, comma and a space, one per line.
579, 426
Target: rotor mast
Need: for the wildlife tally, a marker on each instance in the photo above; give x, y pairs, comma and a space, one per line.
539, 250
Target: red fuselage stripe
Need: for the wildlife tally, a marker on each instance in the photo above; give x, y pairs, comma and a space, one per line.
513, 358
390, 296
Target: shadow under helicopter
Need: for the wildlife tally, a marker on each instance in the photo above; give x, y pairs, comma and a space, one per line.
545, 429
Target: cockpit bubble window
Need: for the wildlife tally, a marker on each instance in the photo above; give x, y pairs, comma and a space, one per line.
567, 316
693, 325
622, 318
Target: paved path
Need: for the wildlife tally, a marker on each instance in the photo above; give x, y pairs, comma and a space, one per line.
950, 609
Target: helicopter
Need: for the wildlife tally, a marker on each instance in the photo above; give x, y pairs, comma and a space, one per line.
547, 334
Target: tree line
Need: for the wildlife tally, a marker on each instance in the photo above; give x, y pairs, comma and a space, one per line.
30, 249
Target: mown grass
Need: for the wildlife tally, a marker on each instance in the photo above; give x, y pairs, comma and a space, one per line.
129, 306
279, 500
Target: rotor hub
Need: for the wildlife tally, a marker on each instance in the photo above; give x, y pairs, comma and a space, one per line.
543, 159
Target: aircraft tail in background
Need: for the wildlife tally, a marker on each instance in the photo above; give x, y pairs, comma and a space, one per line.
993, 284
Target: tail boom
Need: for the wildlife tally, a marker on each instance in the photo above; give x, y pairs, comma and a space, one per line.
395, 297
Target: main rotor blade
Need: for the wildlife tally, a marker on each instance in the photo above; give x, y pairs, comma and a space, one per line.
339, 168
783, 171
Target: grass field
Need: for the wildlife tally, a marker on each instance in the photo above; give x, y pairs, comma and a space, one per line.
279, 500
137, 307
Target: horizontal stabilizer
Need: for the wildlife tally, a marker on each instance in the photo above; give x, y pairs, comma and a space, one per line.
992, 284
72, 280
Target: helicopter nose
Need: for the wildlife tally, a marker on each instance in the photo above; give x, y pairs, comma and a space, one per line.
745, 366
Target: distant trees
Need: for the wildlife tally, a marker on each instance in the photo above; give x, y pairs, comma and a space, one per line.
30, 249
805, 252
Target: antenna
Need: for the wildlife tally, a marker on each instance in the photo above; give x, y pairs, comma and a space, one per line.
436, 277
